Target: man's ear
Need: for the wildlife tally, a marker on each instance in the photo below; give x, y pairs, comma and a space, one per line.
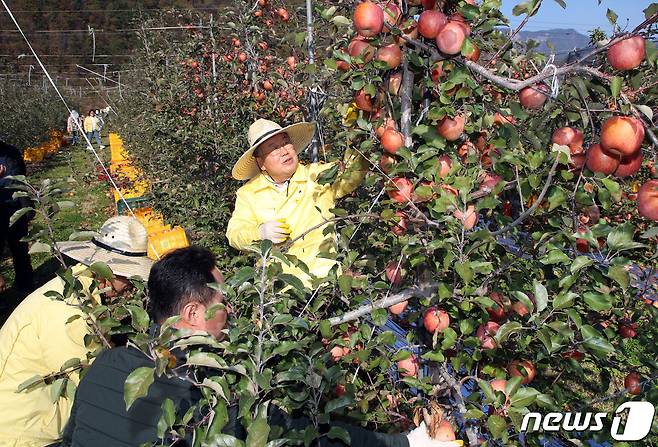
193, 315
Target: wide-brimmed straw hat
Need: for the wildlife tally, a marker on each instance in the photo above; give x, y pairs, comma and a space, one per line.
121, 243
300, 135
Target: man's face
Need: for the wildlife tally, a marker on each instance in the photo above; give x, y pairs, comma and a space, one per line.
278, 157
217, 323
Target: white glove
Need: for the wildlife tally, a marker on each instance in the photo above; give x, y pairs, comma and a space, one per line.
419, 437
275, 230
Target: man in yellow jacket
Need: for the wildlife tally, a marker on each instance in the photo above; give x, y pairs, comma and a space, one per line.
283, 199
42, 334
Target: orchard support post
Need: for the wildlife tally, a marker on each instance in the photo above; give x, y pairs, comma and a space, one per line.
313, 112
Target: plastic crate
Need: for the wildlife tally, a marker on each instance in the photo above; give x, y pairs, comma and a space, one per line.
163, 242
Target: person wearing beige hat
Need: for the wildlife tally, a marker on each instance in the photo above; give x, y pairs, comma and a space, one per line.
283, 198
42, 333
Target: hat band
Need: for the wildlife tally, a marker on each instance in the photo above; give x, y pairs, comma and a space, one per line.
134, 254
260, 139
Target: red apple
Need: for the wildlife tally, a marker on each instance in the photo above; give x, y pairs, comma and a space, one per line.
533, 97
430, 23
339, 389
394, 83
576, 355
390, 54
518, 368
338, 352
499, 385
392, 14
627, 330
461, 21
408, 367
489, 182
627, 54
401, 190
368, 19
629, 165
359, 47
632, 383
647, 200
397, 309
622, 135
569, 136
393, 273
445, 432
597, 160
400, 228
392, 141
388, 123
435, 320
497, 312
486, 332
364, 101
444, 165
437, 71
468, 218
451, 38
520, 309
451, 128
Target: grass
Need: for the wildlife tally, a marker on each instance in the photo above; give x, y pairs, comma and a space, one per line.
94, 204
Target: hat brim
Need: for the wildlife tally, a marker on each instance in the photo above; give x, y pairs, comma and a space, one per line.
301, 135
121, 265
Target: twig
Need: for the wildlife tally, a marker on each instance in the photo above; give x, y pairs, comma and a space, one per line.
287, 245
405, 102
422, 290
471, 432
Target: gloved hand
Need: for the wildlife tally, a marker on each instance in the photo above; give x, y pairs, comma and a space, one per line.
275, 230
419, 437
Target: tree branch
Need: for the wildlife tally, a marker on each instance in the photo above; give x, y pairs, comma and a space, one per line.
406, 92
287, 245
422, 290
502, 49
471, 432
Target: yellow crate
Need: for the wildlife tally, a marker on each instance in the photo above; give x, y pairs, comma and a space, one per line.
139, 189
165, 241
152, 221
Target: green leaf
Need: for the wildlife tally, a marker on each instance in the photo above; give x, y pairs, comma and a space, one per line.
258, 432
293, 281
615, 86
39, 247
18, 214
338, 403
339, 433
593, 341
209, 360
541, 295
506, 330
102, 270
620, 275
345, 284
580, 263
30, 383
56, 389
137, 384
219, 419
556, 198
489, 393
612, 17
646, 110
497, 425
621, 238
139, 317
464, 270
598, 301
524, 397
613, 188
222, 440
555, 257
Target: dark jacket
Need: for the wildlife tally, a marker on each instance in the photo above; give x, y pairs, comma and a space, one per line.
99, 416
12, 159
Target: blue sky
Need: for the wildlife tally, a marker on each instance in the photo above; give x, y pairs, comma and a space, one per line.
582, 15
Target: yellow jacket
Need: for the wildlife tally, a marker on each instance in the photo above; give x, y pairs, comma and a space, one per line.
303, 204
36, 339
91, 123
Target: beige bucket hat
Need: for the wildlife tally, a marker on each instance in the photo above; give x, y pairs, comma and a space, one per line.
301, 135
121, 243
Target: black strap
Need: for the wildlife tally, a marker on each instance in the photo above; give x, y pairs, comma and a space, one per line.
117, 251
267, 134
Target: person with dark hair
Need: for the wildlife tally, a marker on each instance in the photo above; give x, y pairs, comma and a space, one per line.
11, 164
92, 126
178, 285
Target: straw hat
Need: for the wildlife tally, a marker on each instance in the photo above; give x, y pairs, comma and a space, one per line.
300, 135
120, 243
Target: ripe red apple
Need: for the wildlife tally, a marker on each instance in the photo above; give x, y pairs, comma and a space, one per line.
402, 190
393, 273
392, 14
400, 228
520, 309
597, 160
451, 128
359, 47
517, 368
622, 135
444, 165
461, 21
283, 14
394, 83
368, 19
451, 38
437, 71
647, 200
390, 54
392, 141
499, 385
533, 97
489, 182
627, 330
486, 332
427, 4
339, 390
386, 163
397, 309
408, 367
430, 23
338, 352
468, 218
569, 136
632, 383
498, 311
445, 432
629, 165
500, 119
576, 355
435, 320
626, 54
364, 101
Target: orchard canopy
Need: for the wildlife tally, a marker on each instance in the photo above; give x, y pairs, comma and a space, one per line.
500, 257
